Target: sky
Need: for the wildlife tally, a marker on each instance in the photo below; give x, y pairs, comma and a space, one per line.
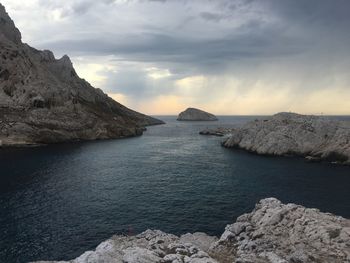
229, 57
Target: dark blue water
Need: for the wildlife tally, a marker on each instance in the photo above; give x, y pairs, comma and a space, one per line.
58, 201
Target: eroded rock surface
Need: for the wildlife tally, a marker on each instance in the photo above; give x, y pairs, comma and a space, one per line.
192, 114
42, 99
272, 233
152, 246
278, 233
314, 137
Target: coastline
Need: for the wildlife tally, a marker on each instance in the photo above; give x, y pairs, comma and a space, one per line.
272, 232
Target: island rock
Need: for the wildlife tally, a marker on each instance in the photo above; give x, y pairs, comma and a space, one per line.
314, 137
192, 114
272, 233
43, 100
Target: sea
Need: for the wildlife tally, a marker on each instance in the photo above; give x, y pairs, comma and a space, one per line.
58, 201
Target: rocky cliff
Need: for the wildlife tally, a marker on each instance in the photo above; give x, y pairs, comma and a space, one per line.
314, 137
272, 233
192, 114
43, 100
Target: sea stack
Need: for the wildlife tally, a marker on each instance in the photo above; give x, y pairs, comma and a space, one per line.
283, 134
43, 100
193, 114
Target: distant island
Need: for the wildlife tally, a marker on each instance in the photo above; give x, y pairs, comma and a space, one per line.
43, 100
193, 114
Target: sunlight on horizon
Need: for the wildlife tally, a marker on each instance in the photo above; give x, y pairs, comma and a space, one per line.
251, 59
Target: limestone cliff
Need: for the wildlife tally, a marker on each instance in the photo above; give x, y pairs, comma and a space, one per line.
43, 100
314, 137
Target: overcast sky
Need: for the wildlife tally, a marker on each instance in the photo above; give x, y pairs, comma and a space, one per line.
225, 56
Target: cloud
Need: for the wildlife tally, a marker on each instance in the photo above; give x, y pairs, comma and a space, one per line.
161, 1
212, 16
241, 50
73, 7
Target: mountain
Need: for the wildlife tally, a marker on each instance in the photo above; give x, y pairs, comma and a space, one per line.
192, 114
43, 100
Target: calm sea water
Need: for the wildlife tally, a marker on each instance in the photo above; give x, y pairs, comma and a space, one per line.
58, 201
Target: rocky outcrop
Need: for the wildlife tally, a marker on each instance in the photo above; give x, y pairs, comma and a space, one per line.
192, 114
272, 233
278, 233
42, 99
220, 131
151, 246
314, 137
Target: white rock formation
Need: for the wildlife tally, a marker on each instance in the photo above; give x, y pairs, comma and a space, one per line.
272, 233
192, 114
152, 246
42, 99
317, 138
278, 233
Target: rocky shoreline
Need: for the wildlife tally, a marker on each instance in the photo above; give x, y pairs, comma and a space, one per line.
272, 233
288, 134
43, 100
220, 132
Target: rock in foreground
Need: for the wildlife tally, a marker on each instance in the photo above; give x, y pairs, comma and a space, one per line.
42, 99
192, 114
317, 138
272, 233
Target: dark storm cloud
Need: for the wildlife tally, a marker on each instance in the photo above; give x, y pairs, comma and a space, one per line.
202, 55
271, 28
323, 11
272, 40
216, 17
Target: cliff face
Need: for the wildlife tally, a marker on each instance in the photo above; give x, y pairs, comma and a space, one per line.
192, 114
271, 233
43, 100
316, 138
